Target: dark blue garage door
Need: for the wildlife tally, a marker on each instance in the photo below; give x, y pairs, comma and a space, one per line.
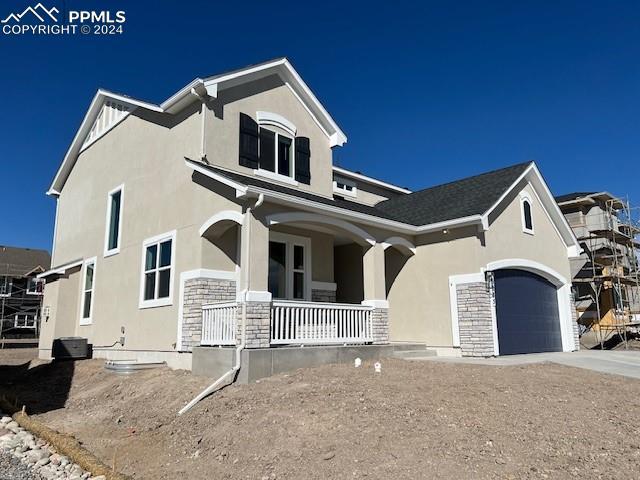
527, 313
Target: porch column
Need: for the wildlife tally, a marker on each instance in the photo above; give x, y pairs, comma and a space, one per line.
254, 299
375, 292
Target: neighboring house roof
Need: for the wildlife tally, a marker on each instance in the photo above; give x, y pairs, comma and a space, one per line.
462, 198
469, 201
201, 86
21, 262
588, 198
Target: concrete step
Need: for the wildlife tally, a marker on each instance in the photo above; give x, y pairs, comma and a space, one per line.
407, 354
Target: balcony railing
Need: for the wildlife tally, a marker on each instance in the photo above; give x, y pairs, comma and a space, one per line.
219, 323
313, 323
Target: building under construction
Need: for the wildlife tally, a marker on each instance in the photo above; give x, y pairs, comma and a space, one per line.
605, 278
21, 291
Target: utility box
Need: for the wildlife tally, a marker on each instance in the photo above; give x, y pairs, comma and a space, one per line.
67, 348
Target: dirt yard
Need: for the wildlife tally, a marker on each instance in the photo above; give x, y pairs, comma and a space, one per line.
414, 420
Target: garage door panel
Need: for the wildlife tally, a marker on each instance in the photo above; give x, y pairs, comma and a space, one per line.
527, 313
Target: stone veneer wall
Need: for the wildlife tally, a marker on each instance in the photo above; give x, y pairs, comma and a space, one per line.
327, 296
198, 292
258, 324
474, 320
574, 322
380, 325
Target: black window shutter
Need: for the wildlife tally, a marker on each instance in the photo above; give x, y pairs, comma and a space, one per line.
248, 141
267, 150
303, 163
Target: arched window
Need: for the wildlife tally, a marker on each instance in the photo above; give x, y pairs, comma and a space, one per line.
527, 217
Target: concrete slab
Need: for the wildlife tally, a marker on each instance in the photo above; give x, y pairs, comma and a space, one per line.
616, 362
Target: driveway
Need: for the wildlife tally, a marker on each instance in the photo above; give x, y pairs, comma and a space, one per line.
617, 362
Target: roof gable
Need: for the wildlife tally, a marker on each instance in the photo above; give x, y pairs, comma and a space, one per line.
107, 109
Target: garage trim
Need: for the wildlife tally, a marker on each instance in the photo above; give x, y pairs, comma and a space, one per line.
561, 283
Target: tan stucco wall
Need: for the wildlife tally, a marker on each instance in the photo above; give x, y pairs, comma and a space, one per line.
147, 156
269, 94
419, 297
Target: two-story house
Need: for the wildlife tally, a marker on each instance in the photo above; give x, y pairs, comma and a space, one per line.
217, 218
21, 291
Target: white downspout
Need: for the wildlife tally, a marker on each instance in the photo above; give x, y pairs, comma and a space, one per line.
203, 124
243, 331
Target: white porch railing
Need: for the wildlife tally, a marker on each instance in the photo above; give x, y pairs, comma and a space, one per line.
309, 323
219, 323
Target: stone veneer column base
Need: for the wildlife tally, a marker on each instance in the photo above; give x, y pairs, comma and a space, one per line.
258, 324
574, 322
199, 292
475, 321
380, 325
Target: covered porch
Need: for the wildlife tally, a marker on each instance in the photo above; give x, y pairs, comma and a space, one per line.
299, 279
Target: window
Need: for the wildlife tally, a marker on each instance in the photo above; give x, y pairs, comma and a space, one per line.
276, 153
35, 286
289, 267
345, 187
114, 221
5, 287
24, 321
158, 258
88, 286
527, 217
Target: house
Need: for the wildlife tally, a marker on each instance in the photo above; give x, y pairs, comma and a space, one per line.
606, 280
217, 218
20, 290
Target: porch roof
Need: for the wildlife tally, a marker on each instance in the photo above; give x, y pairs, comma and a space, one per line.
455, 200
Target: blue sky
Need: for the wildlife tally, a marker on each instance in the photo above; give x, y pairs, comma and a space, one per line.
426, 92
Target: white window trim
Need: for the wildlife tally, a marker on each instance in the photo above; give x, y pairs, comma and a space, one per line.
275, 175
290, 241
158, 302
83, 279
347, 193
113, 251
525, 197
37, 280
9, 286
275, 120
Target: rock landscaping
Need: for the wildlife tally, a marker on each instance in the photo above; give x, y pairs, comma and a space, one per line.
34, 458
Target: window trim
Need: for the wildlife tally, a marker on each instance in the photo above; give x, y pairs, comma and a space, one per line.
108, 252
525, 197
36, 280
9, 284
291, 179
290, 241
347, 193
158, 239
83, 278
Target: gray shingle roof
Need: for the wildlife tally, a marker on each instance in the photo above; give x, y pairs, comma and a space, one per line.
462, 198
572, 196
17, 262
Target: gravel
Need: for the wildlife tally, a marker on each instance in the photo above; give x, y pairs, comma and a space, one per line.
12, 469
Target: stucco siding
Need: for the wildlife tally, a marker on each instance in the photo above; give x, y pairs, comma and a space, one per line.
147, 156
269, 94
419, 305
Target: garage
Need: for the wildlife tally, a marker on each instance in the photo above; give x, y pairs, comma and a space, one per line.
527, 314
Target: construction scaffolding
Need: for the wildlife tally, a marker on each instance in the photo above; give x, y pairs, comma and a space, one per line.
610, 278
